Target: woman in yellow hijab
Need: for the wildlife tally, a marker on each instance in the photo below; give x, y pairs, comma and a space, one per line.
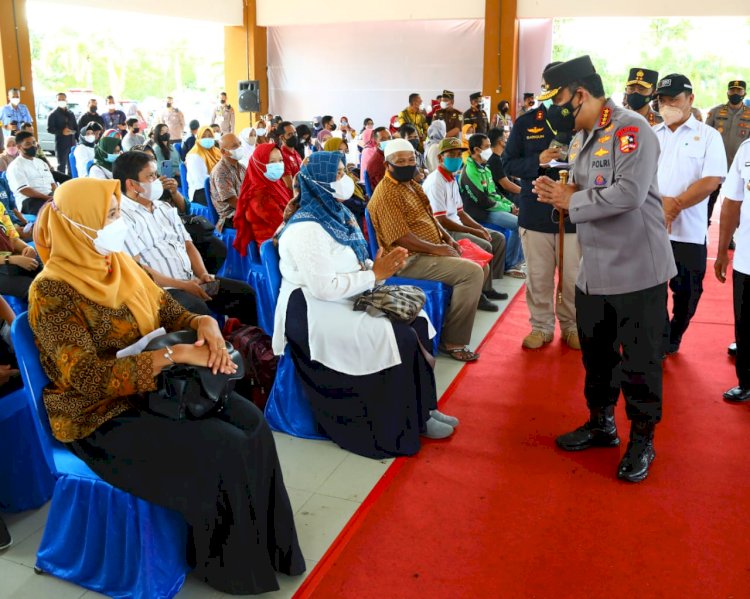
90, 301
199, 163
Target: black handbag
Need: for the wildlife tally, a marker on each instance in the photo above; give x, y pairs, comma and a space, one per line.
191, 392
199, 228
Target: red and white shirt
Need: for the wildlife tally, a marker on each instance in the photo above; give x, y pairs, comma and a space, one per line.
442, 190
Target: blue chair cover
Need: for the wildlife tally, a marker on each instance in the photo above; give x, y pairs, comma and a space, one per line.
72, 163
25, 478
16, 303
209, 202
177, 147
287, 410
201, 210
183, 182
438, 294
368, 186
96, 535
89, 164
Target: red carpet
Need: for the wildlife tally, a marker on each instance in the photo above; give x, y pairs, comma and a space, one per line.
499, 511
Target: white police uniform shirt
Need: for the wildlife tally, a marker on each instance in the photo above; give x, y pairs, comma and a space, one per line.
736, 188
690, 153
444, 196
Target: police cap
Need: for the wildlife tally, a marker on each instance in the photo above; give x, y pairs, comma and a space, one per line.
736, 83
643, 77
555, 78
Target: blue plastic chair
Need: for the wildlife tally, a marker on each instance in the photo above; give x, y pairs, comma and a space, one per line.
72, 163
89, 164
438, 294
98, 536
288, 409
16, 303
368, 186
201, 210
177, 147
183, 181
209, 203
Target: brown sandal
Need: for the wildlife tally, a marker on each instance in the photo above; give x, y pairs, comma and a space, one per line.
461, 354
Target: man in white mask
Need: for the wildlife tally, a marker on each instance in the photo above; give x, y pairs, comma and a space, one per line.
692, 163
453, 118
226, 180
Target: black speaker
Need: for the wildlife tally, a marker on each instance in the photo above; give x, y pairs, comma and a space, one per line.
249, 94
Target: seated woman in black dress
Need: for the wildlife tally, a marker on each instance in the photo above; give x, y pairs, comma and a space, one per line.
369, 382
19, 263
221, 472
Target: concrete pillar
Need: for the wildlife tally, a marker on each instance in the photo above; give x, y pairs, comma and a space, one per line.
501, 52
15, 54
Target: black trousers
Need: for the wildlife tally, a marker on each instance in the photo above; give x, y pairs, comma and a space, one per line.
63, 144
712, 202
622, 345
18, 284
32, 205
235, 299
742, 327
686, 286
212, 250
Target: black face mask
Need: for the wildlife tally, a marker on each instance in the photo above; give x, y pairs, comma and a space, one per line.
563, 118
735, 98
136, 130
164, 137
292, 141
504, 109
333, 127
30, 152
92, 109
637, 101
414, 144
403, 173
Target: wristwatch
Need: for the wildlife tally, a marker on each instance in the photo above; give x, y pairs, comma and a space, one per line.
7, 258
168, 354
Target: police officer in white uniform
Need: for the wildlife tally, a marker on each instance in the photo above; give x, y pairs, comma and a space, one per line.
626, 260
736, 190
691, 165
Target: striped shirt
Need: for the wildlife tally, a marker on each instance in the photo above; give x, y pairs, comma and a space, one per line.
158, 237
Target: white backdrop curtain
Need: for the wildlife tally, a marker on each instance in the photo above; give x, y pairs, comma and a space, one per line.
369, 70
534, 53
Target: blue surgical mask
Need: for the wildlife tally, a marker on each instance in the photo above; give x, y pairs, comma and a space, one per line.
382, 145
453, 164
207, 142
112, 157
547, 103
274, 171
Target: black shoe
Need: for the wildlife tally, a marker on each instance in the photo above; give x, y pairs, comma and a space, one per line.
5, 539
495, 295
732, 349
639, 454
672, 349
486, 305
599, 431
737, 395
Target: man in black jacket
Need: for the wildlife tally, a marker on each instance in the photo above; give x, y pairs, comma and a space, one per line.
62, 124
91, 116
526, 152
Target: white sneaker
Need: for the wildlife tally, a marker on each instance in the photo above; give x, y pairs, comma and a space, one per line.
444, 418
437, 430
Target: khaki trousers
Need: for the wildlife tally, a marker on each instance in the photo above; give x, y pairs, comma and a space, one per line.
465, 277
496, 247
541, 251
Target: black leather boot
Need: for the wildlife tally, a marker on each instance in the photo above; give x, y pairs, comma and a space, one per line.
599, 431
639, 454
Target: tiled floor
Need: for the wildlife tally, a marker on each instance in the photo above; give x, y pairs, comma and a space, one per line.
326, 486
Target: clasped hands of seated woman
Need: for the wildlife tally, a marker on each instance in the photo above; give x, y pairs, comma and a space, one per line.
386, 266
209, 350
27, 259
195, 286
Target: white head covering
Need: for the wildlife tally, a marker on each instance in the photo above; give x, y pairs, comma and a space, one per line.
398, 145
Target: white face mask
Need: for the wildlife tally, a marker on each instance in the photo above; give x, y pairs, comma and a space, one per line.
108, 240
343, 189
670, 114
217, 136
237, 153
152, 191
89, 138
15, 101
260, 132
486, 154
62, 104
443, 105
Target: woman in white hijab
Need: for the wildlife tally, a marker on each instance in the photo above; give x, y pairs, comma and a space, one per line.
435, 133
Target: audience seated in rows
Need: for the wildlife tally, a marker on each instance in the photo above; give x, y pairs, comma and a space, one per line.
158, 240
189, 141
167, 158
107, 149
435, 134
373, 393
9, 154
96, 408
409, 133
19, 263
226, 180
373, 159
263, 198
8, 201
133, 137
358, 201
495, 163
199, 163
286, 139
85, 150
304, 141
30, 178
485, 205
445, 200
402, 217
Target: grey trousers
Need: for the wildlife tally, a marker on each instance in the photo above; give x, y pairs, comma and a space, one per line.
466, 278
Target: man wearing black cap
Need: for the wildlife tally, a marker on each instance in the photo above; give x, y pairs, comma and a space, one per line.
732, 121
452, 117
692, 164
528, 148
626, 260
639, 91
528, 103
475, 115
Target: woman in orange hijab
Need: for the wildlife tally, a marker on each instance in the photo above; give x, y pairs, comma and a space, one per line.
199, 163
90, 301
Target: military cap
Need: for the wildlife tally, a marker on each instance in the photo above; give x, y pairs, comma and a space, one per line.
673, 84
528, 95
737, 83
449, 143
643, 77
475, 96
561, 75
447, 94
